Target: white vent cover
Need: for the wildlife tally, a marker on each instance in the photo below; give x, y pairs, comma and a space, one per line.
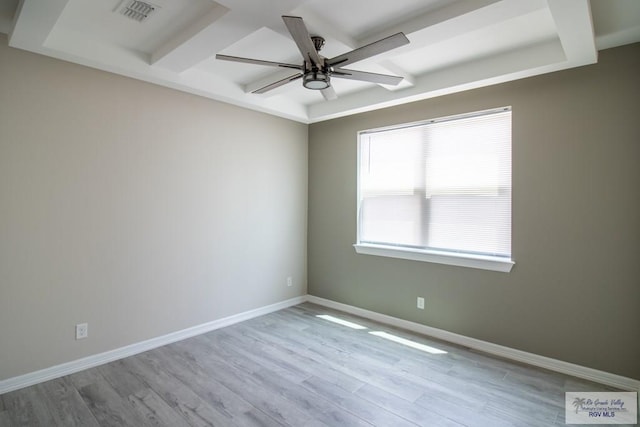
138, 10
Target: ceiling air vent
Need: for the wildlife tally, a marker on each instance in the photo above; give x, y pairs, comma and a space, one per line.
138, 10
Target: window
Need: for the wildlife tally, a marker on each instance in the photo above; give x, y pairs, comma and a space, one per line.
438, 190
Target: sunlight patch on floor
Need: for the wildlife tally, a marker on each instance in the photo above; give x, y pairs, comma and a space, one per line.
341, 322
381, 334
407, 342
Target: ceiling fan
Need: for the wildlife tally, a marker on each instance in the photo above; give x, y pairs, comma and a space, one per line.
316, 71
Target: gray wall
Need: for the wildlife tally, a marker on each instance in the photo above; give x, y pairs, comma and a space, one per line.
574, 293
138, 209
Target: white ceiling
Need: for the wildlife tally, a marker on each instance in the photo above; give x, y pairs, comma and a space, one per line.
454, 44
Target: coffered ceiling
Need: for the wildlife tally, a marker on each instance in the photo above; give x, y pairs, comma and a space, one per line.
454, 44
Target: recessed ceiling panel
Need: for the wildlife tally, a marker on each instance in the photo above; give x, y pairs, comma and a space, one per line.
362, 18
454, 44
104, 22
490, 40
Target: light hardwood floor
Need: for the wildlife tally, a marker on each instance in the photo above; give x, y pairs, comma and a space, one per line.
293, 368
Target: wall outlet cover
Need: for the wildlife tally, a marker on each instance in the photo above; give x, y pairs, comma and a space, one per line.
82, 330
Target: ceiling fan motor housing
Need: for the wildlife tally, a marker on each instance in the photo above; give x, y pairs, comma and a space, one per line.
316, 78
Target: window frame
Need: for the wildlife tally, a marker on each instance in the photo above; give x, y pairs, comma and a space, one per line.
459, 258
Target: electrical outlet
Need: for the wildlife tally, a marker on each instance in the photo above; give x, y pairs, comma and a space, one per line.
421, 303
289, 281
82, 330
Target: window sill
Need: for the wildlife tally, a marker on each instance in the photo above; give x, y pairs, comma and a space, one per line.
461, 260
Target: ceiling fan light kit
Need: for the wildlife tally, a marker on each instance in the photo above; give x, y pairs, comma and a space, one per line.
316, 80
316, 71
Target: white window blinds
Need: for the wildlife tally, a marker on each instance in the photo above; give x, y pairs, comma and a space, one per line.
441, 185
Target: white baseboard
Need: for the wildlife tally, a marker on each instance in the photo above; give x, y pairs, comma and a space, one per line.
57, 371
555, 365
61, 370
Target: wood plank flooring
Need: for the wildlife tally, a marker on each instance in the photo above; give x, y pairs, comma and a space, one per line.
292, 368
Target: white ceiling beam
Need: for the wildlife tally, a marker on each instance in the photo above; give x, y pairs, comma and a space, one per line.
464, 17
33, 22
8, 9
618, 23
182, 39
618, 38
193, 46
575, 29
408, 80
